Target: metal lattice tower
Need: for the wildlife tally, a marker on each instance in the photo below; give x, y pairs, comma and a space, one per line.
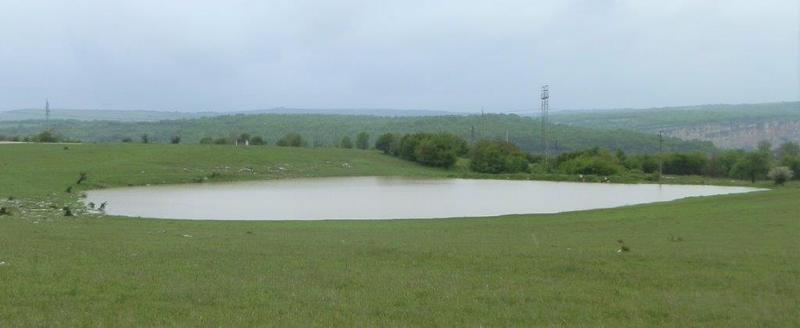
545, 96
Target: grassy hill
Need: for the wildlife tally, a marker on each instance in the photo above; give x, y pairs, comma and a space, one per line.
733, 126
712, 261
327, 130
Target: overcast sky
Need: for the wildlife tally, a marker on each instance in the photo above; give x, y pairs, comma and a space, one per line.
444, 55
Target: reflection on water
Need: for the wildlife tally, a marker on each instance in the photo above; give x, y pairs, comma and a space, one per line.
381, 198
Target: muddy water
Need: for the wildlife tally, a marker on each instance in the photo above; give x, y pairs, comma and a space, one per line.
378, 198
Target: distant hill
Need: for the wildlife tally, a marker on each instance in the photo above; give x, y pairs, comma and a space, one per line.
99, 115
728, 126
327, 130
353, 111
152, 116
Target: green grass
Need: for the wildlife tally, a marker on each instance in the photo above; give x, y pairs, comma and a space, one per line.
736, 264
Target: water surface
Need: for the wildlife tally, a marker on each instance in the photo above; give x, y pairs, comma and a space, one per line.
381, 198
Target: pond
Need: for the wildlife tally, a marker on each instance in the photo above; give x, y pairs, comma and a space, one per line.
380, 198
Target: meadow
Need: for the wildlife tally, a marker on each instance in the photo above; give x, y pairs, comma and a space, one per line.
712, 261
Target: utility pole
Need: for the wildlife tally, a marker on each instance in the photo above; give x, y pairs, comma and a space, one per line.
482, 128
472, 135
545, 97
47, 109
660, 156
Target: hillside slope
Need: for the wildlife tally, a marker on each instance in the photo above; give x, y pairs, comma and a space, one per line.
728, 126
327, 130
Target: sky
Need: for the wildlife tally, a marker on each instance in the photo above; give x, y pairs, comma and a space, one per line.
460, 55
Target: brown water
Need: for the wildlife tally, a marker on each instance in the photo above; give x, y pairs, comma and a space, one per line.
381, 198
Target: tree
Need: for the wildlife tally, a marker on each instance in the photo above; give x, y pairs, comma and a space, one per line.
244, 138
497, 157
592, 163
386, 143
362, 140
206, 141
780, 174
764, 146
346, 143
788, 149
291, 140
257, 141
752, 166
440, 150
175, 140
685, 164
793, 163
46, 136
145, 138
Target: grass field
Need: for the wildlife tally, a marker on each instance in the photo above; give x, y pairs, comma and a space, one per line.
715, 261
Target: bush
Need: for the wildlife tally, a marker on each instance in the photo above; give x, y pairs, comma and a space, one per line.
346, 143
46, 136
387, 143
789, 149
644, 163
780, 174
685, 164
257, 141
291, 140
497, 157
222, 141
206, 141
793, 163
590, 165
591, 162
441, 150
752, 166
175, 140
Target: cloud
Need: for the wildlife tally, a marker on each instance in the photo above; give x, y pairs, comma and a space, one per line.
457, 55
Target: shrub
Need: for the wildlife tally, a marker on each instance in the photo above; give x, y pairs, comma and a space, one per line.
387, 143
789, 149
175, 140
222, 141
497, 157
257, 141
346, 143
590, 165
793, 163
591, 162
441, 150
644, 163
684, 164
291, 140
780, 174
206, 141
46, 136
752, 166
